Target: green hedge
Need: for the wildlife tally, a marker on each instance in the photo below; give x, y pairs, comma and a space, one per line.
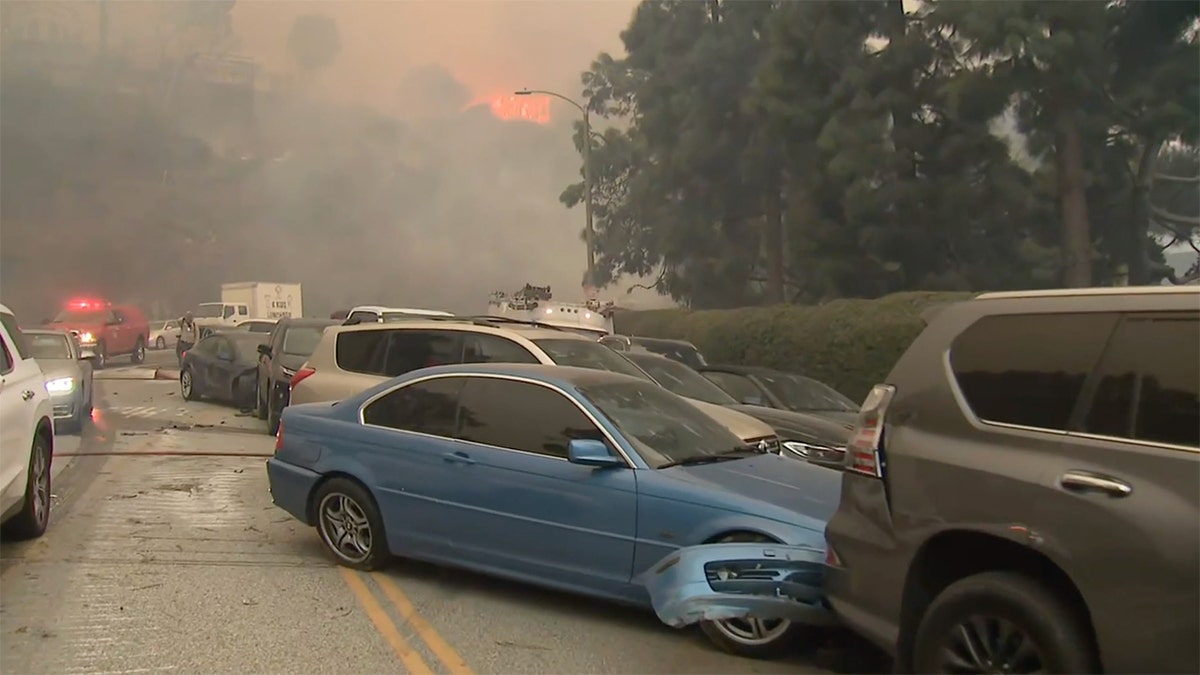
848, 344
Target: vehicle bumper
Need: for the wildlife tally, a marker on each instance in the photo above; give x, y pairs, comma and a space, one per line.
290, 487
712, 582
87, 351
65, 406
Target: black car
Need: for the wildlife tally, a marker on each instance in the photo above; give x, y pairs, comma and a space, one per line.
221, 366
676, 350
808, 436
755, 385
287, 348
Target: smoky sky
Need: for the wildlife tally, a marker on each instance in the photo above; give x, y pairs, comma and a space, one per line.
384, 178
490, 46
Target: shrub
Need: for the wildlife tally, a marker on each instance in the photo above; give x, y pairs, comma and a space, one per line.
849, 344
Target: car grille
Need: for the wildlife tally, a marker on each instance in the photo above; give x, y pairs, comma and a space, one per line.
772, 444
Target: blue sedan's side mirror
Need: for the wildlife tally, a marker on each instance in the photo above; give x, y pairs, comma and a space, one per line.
590, 452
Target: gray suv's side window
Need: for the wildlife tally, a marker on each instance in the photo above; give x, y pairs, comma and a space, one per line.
1028, 369
1147, 386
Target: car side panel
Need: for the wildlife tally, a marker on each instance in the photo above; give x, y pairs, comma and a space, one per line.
20, 415
1142, 551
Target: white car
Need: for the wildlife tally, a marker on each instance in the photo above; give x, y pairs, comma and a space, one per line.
26, 436
164, 334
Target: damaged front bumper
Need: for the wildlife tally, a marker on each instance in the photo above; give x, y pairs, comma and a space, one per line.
733, 581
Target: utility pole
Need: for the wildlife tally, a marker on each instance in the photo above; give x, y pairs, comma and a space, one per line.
589, 234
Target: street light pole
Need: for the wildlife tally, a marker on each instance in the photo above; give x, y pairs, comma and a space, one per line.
589, 234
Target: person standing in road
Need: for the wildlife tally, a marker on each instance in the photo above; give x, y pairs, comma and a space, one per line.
189, 335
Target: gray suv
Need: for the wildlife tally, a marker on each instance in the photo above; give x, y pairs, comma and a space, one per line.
1023, 494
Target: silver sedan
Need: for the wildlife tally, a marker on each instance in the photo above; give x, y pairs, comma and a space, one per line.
68, 376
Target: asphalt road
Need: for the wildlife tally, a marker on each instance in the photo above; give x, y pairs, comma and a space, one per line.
160, 558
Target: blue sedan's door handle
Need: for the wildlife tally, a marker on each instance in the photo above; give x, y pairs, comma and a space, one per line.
458, 458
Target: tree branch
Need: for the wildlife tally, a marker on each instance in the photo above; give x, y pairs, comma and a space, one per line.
1175, 218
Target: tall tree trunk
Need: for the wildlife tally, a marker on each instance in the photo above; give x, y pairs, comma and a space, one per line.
1072, 195
1138, 226
773, 243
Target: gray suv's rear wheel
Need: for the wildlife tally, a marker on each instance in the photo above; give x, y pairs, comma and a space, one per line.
1002, 622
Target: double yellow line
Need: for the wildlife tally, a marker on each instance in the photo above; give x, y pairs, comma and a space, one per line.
413, 662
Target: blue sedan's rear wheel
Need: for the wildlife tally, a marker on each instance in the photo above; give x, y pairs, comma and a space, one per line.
749, 637
350, 524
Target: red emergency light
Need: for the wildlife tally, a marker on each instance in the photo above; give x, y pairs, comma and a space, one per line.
86, 304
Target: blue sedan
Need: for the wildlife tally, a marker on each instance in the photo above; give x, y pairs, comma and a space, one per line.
576, 479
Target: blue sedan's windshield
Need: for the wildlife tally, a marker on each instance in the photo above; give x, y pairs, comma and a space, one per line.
663, 428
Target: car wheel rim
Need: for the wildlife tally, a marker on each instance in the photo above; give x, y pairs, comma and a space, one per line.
185, 382
754, 632
139, 352
345, 527
41, 486
985, 644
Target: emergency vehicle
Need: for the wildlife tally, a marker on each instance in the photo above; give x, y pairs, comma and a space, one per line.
536, 304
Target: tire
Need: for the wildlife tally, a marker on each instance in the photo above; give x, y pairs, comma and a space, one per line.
34, 517
101, 359
273, 416
340, 502
1060, 637
138, 356
734, 636
160, 343
187, 384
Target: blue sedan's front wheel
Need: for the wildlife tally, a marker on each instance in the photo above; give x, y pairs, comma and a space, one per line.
750, 637
350, 524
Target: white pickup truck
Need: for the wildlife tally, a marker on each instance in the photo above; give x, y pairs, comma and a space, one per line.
246, 300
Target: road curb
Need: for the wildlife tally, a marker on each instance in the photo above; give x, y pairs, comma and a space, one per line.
166, 374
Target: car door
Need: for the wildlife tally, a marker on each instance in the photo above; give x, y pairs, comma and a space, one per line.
522, 507
221, 368
407, 437
20, 379
265, 361
1130, 468
201, 358
117, 333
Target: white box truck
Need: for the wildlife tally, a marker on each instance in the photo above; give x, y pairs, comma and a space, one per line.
264, 299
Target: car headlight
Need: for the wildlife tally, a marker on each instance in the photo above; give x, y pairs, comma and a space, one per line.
813, 450
796, 448
60, 385
86, 337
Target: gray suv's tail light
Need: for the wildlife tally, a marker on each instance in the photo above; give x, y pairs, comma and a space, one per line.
864, 454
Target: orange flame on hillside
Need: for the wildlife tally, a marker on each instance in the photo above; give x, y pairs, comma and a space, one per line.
510, 107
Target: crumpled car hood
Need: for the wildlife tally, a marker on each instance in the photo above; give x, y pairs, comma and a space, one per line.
711, 582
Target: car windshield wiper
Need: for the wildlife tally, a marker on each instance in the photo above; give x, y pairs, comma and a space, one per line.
739, 452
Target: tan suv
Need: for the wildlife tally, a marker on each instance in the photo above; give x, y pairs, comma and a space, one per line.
350, 359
